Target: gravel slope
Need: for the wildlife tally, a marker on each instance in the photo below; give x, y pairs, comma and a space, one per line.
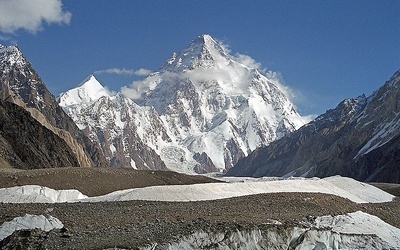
95, 181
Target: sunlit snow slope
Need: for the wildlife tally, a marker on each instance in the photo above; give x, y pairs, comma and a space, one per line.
207, 109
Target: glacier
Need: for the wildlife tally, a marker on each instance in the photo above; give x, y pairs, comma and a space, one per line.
341, 186
357, 230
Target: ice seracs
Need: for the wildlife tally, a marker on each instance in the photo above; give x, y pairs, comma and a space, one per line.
355, 230
38, 194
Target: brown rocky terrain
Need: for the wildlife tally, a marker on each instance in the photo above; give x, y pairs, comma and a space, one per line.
95, 181
139, 223
26, 144
22, 85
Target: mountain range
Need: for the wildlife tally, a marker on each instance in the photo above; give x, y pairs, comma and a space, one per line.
360, 138
202, 111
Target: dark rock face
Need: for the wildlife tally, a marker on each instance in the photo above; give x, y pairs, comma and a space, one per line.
20, 83
205, 164
26, 144
360, 138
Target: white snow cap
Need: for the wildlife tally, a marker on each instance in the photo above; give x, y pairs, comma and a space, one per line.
11, 55
88, 91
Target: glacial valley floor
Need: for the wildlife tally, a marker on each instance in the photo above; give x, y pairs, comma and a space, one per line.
130, 224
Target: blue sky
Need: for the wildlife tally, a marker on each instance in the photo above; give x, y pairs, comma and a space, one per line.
325, 50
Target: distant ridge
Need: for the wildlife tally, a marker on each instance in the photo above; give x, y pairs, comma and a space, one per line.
360, 138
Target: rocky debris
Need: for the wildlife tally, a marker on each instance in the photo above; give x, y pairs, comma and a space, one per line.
95, 181
133, 224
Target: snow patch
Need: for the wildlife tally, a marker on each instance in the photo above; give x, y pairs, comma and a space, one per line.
38, 194
383, 134
362, 224
344, 187
29, 222
133, 164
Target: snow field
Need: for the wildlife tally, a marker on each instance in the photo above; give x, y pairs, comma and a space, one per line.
341, 186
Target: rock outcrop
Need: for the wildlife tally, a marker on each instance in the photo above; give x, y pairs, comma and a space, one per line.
26, 144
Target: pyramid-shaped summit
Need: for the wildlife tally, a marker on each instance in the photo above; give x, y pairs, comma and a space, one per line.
11, 56
88, 91
201, 112
216, 105
203, 52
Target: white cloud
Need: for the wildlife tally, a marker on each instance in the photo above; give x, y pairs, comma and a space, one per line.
309, 118
241, 58
142, 72
248, 61
31, 15
135, 90
123, 71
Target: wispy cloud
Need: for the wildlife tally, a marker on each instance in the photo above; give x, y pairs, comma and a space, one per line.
123, 71
135, 90
31, 15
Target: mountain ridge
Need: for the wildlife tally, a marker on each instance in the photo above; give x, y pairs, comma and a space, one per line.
21, 84
209, 104
358, 139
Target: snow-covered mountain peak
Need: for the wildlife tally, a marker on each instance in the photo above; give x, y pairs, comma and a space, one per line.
88, 91
203, 52
202, 111
11, 55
